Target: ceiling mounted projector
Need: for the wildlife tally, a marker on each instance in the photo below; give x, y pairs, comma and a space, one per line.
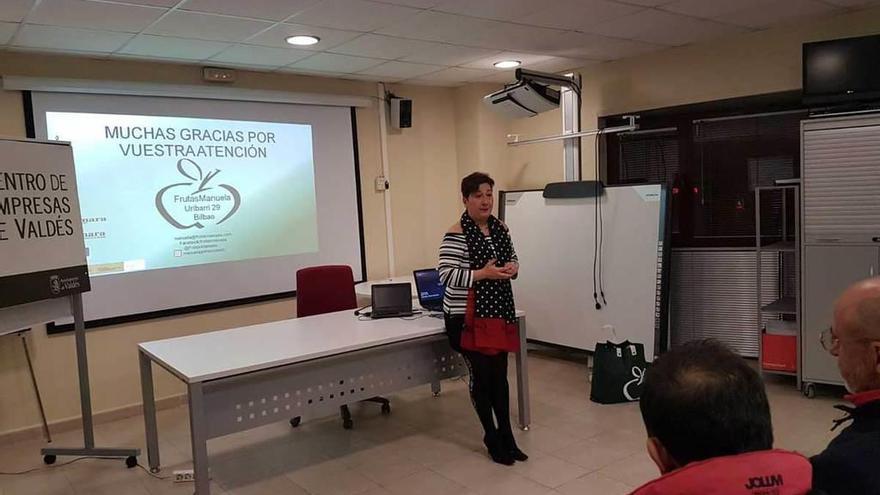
524, 98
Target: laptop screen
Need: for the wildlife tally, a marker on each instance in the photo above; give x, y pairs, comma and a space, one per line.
392, 298
429, 286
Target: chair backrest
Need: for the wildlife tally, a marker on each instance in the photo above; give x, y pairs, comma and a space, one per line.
324, 289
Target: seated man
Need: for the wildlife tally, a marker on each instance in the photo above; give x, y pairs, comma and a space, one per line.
709, 429
851, 463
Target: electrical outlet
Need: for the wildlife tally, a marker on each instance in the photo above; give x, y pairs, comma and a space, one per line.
183, 476
381, 184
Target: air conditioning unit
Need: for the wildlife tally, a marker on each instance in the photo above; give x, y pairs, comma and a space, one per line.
523, 99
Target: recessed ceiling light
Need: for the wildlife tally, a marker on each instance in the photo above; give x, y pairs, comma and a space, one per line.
507, 64
303, 40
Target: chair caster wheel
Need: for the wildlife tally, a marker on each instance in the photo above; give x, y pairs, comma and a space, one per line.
347, 424
294, 422
386, 409
131, 461
49, 459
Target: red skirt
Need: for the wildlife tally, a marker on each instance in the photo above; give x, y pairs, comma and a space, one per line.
487, 335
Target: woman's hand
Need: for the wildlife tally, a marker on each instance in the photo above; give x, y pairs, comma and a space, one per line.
511, 268
492, 272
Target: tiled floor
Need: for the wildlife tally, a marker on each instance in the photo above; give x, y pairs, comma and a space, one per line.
427, 446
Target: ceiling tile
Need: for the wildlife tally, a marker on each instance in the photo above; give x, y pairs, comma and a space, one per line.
402, 70
769, 13
595, 47
154, 3
455, 75
447, 28
652, 3
207, 26
166, 47
560, 64
654, 26
353, 15
94, 15
525, 38
7, 29
428, 82
503, 10
420, 4
370, 77
304, 72
525, 58
379, 46
65, 38
14, 10
442, 54
707, 10
261, 55
330, 62
578, 14
277, 35
853, 3
503, 77
276, 10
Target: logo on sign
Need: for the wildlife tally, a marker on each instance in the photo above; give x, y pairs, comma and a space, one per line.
57, 285
196, 203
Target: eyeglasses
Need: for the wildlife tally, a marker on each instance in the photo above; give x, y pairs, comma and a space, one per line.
828, 339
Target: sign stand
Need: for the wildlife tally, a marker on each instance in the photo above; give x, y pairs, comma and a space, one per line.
85, 397
43, 267
27, 356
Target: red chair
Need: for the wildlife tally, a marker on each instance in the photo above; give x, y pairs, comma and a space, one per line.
327, 289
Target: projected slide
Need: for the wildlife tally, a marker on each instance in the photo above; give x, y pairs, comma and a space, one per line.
164, 192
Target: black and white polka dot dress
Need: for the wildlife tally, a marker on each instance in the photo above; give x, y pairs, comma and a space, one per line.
493, 298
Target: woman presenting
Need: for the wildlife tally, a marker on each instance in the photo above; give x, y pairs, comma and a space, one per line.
477, 262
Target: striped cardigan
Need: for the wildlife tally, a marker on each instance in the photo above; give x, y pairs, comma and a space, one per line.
456, 273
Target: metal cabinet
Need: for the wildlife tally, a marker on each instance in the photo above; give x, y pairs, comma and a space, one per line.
829, 270
840, 207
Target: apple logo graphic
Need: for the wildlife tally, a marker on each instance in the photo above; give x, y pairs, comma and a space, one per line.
185, 208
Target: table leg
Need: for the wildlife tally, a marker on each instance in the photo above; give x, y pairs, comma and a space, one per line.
522, 378
149, 401
199, 439
435, 388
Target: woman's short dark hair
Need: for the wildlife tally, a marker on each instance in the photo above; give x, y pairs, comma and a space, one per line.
472, 183
702, 401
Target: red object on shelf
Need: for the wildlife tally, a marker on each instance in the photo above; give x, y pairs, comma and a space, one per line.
779, 352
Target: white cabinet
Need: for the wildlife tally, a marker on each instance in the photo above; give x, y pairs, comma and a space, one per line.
840, 187
828, 271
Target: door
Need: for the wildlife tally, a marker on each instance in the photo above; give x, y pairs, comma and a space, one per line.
828, 271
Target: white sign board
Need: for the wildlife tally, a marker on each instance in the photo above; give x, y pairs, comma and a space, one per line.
42, 253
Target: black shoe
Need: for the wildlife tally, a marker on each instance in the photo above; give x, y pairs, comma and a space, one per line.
509, 444
497, 452
518, 455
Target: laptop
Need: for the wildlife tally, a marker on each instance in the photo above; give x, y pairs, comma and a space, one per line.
429, 288
392, 300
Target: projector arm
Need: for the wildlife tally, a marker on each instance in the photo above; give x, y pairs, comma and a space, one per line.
551, 79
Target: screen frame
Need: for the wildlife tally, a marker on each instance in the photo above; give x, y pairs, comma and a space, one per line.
814, 98
53, 328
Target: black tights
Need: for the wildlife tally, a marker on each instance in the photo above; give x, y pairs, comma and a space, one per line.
489, 389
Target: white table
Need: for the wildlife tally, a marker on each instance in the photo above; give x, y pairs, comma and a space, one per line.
248, 377
365, 289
